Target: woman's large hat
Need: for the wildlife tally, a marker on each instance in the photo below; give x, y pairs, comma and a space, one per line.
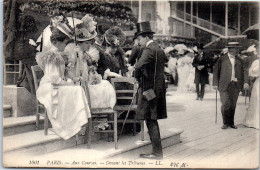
143, 28
62, 24
87, 29
115, 36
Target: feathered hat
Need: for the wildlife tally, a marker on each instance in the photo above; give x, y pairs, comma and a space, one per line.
115, 36
87, 29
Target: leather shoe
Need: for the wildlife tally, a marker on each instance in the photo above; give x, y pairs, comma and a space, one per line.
224, 127
233, 126
151, 156
197, 98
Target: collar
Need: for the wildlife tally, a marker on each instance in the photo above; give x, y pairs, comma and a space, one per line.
230, 56
149, 42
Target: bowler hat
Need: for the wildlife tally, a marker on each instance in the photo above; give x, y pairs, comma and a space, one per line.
233, 45
143, 28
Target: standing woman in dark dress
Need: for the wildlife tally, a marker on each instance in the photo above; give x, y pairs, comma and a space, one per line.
114, 64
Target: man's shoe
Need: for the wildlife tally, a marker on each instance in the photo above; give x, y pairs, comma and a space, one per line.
197, 98
151, 156
224, 127
201, 99
233, 126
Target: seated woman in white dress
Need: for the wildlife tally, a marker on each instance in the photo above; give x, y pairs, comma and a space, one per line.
82, 58
252, 116
66, 103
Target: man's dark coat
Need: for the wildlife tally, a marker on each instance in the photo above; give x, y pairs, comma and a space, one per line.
223, 70
145, 71
201, 76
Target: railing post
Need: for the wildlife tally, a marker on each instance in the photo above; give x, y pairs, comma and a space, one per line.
191, 18
197, 12
226, 19
210, 17
184, 23
140, 11
238, 19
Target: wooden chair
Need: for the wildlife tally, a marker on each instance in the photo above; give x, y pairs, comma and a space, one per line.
108, 115
126, 91
36, 70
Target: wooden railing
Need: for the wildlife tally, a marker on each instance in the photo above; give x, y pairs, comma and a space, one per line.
11, 72
204, 23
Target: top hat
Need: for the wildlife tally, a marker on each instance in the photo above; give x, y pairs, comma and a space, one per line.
233, 45
143, 28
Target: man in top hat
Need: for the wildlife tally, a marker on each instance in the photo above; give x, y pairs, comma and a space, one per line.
228, 77
201, 64
150, 74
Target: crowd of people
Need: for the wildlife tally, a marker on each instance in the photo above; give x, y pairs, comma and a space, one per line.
71, 51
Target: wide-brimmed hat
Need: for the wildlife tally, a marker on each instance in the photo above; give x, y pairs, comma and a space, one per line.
87, 29
233, 45
252, 48
83, 34
62, 24
115, 36
143, 28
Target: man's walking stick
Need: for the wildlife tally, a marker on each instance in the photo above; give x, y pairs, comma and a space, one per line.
216, 116
245, 96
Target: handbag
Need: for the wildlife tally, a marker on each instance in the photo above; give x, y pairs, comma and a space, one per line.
150, 94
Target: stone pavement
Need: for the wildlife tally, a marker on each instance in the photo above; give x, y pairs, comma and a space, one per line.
204, 144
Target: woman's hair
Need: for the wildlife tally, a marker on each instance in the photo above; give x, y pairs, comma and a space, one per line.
57, 36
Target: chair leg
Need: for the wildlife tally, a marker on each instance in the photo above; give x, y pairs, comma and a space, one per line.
134, 129
46, 123
115, 130
89, 132
142, 130
37, 120
77, 139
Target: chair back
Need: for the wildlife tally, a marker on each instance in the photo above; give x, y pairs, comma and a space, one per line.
126, 88
37, 75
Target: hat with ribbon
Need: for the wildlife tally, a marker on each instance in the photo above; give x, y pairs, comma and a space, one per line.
115, 36
62, 24
233, 45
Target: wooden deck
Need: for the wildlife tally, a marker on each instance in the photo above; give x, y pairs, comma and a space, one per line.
204, 143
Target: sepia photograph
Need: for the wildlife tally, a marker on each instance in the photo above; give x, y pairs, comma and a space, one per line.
130, 84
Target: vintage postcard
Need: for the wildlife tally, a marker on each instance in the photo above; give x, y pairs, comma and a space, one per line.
131, 84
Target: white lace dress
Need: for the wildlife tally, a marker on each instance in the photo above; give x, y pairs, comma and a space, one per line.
252, 115
66, 104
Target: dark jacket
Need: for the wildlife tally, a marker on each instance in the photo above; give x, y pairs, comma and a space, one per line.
223, 70
201, 76
101, 62
135, 55
145, 67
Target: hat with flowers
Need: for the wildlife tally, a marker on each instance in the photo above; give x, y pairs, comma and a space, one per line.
115, 36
